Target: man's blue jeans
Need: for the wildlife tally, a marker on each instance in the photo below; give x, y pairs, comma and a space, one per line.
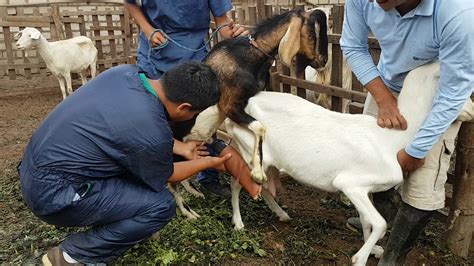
209, 175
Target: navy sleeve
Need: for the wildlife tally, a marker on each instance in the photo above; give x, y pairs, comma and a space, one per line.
220, 7
131, 2
153, 166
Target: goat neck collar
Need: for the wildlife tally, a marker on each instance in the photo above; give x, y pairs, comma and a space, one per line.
255, 44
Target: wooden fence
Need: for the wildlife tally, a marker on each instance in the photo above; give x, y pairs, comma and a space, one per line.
109, 27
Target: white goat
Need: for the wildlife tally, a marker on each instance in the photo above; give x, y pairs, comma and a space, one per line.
62, 58
323, 76
313, 146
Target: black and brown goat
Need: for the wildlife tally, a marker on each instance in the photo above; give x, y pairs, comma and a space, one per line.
242, 66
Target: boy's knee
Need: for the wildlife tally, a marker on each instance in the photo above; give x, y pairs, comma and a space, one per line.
165, 207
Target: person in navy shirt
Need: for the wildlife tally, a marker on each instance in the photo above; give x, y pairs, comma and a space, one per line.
103, 156
187, 22
412, 33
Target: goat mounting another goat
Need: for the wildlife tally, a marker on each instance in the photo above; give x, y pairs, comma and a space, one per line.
242, 66
62, 58
315, 148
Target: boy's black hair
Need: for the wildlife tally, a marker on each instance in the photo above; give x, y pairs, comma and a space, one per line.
191, 82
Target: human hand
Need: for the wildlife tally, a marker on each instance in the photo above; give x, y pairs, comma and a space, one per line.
157, 38
194, 150
408, 163
237, 30
389, 115
218, 163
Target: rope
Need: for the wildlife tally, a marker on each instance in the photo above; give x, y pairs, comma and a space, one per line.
169, 39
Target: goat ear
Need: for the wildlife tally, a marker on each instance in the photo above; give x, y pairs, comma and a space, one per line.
35, 35
18, 34
290, 43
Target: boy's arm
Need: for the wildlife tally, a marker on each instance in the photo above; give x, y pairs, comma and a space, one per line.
183, 170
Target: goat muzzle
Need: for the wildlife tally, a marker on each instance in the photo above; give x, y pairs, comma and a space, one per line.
319, 62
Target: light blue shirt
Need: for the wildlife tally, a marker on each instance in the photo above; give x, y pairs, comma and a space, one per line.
435, 29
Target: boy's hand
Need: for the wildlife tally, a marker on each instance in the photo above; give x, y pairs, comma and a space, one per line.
157, 39
237, 29
408, 163
218, 163
194, 150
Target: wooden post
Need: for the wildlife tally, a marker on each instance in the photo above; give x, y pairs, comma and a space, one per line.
261, 11
58, 25
336, 73
300, 65
286, 71
461, 215
275, 80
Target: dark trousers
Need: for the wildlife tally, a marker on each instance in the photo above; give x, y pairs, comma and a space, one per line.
121, 212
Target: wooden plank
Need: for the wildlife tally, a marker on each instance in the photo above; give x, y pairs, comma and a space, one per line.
92, 13
461, 217
334, 38
356, 96
125, 23
112, 61
241, 16
356, 85
300, 65
260, 11
22, 66
82, 26
9, 51
107, 37
336, 72
113, 47
356, 108
286, 71
120, 28
269, 11
24, 24
98, 43
253, 16
58, 25
27, 18
68, 30
275, 81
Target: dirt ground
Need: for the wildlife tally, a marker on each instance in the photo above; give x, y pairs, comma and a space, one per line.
316, 234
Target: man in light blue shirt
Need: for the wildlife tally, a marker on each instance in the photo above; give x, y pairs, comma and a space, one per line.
412, 33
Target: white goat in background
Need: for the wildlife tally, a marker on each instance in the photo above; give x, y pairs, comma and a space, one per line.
323, 76
62, 58
315, 148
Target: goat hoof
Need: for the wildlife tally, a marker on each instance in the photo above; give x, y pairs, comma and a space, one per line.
355, 261
285, 218
377, 251
258, 176
239, 226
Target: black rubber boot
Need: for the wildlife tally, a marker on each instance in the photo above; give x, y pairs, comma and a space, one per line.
407, 226
387, 204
